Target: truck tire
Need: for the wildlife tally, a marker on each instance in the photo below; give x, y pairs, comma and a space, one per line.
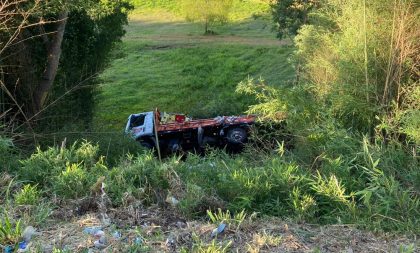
148, 144
237, 135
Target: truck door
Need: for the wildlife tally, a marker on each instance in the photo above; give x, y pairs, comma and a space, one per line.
140, 125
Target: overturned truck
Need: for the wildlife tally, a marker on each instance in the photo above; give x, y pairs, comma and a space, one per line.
176, 132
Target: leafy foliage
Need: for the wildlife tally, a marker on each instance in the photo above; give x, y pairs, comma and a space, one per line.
70, 172
10, 232
92, 30
290, 15
208, 11
28, 195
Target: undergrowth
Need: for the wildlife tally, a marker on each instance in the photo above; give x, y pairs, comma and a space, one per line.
362, 186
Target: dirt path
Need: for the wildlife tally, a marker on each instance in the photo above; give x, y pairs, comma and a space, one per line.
220, 39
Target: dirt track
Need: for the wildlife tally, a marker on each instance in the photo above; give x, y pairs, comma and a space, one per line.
224, 39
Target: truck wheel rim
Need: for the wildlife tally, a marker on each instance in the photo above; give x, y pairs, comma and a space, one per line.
237, 136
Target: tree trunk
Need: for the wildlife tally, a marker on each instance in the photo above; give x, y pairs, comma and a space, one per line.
53, 60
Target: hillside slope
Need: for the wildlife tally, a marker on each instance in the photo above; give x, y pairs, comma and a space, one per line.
168, 63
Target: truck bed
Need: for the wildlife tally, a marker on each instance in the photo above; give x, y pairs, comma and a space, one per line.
194, 124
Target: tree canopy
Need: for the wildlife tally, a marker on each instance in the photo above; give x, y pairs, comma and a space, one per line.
290, 15
59, 46
209, 12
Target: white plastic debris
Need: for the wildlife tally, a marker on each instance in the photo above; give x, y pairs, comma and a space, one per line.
218, 230
91, 230
172, 200
170, 241
28, 232
138, 241
101, 242
116, 235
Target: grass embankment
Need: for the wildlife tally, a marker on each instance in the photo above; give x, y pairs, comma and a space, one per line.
166, 62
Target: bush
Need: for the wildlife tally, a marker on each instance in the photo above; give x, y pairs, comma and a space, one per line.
28, 195
141, 177
69, 172
10, 232
73, 183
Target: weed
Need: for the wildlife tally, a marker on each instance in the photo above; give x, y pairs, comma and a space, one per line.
28, 195
212, 247
73, 183
304, 205
406, 248
263, 241
10, 233
225, 217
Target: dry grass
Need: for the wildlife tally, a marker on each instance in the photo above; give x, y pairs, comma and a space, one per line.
159, 226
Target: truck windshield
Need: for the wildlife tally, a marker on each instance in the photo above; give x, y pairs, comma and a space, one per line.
137, 120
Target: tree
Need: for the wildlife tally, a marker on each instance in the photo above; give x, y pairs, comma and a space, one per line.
58, 45
290, 15
209, 12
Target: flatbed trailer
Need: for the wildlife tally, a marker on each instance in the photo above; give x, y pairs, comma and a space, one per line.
183, 133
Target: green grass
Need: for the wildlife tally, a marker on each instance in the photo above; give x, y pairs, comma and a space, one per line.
166, 62
241, 9
200, 81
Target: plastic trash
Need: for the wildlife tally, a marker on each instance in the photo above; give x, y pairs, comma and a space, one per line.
23, 247
28, 232
218, 230
99, 234
8, 249
181, 224
91, 230
138, 241
172, 200
101, 242
99, 245
170, 241
116, 235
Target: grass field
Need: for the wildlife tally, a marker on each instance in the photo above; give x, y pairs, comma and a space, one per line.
168, 63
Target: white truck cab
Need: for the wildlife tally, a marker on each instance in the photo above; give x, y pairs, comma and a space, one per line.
140, 125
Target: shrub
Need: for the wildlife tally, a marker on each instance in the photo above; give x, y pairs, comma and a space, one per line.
10, 233
28, 195
43, 167
142, 177
74, 182
304, 205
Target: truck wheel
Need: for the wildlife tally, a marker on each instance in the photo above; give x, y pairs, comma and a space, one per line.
236, 135
147, 144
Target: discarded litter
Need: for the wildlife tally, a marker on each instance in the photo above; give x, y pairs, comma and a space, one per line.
99, 245
23, 247
138, 241
101, 242
8, 249
116, 235
170, 241
218, 230
28, 232
91, 230
172, 200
